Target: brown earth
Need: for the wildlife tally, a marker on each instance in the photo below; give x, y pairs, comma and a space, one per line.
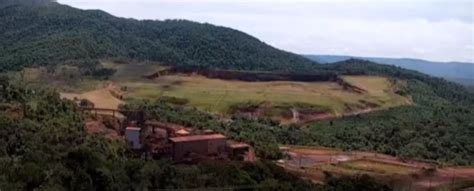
97, 127
108, 98
300, 116
306, 160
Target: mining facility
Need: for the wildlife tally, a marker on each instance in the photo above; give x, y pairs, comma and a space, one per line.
185, 144
155, 139
152, 138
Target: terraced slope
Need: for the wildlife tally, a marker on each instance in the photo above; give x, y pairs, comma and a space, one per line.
219, 96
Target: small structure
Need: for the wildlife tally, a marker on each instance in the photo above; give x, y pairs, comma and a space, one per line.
238, 151
155, 141
182, 144
182, 132
132, 134
171, 129
202, 145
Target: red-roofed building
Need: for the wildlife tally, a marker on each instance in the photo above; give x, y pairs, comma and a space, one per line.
203, 145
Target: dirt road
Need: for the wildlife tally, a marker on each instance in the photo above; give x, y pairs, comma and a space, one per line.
426, 176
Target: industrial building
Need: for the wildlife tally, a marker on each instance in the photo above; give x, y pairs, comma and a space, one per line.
157, 139
185, 144
200, 145
132, 134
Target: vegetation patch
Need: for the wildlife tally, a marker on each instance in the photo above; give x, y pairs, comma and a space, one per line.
133, 70
249, 76
378, 167
284, 113
227, 96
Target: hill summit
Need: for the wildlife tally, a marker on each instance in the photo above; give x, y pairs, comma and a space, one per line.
51, 33
6, 3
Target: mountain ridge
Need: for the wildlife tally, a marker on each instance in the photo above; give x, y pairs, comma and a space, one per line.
462, 72
56, 33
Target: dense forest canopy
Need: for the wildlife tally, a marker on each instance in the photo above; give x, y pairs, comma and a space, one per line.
6, 3
55, 33
461, 72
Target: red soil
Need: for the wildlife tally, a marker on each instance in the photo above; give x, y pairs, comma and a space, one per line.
311, 157
97, 127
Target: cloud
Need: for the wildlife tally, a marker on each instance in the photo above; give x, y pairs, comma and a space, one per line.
434, 30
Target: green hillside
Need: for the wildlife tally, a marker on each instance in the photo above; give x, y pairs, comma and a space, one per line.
43, 145
51, 33
461, 72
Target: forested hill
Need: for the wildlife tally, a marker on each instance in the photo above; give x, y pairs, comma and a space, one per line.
461, 72
6, 3
46, 33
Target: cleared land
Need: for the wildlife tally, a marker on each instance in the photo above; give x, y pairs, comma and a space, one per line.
101, 98
214, 95
372, 84
287, 101
313, 162
378, 167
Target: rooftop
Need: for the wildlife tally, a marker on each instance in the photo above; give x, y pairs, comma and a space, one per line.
236, 145
175, 127
133, 129
197, 138
182, 132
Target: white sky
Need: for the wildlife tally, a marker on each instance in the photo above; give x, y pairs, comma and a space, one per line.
439, 30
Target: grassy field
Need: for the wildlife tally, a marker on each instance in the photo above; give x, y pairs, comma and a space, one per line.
377, 86
214, 95
218, 96
358, 167
377, 167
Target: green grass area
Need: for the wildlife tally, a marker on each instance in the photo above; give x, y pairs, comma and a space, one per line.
366, 167
379, 88
375, 85
378, 167
214, 95
219, 96
335, 169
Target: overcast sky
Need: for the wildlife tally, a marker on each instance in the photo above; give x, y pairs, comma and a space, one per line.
439, 30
